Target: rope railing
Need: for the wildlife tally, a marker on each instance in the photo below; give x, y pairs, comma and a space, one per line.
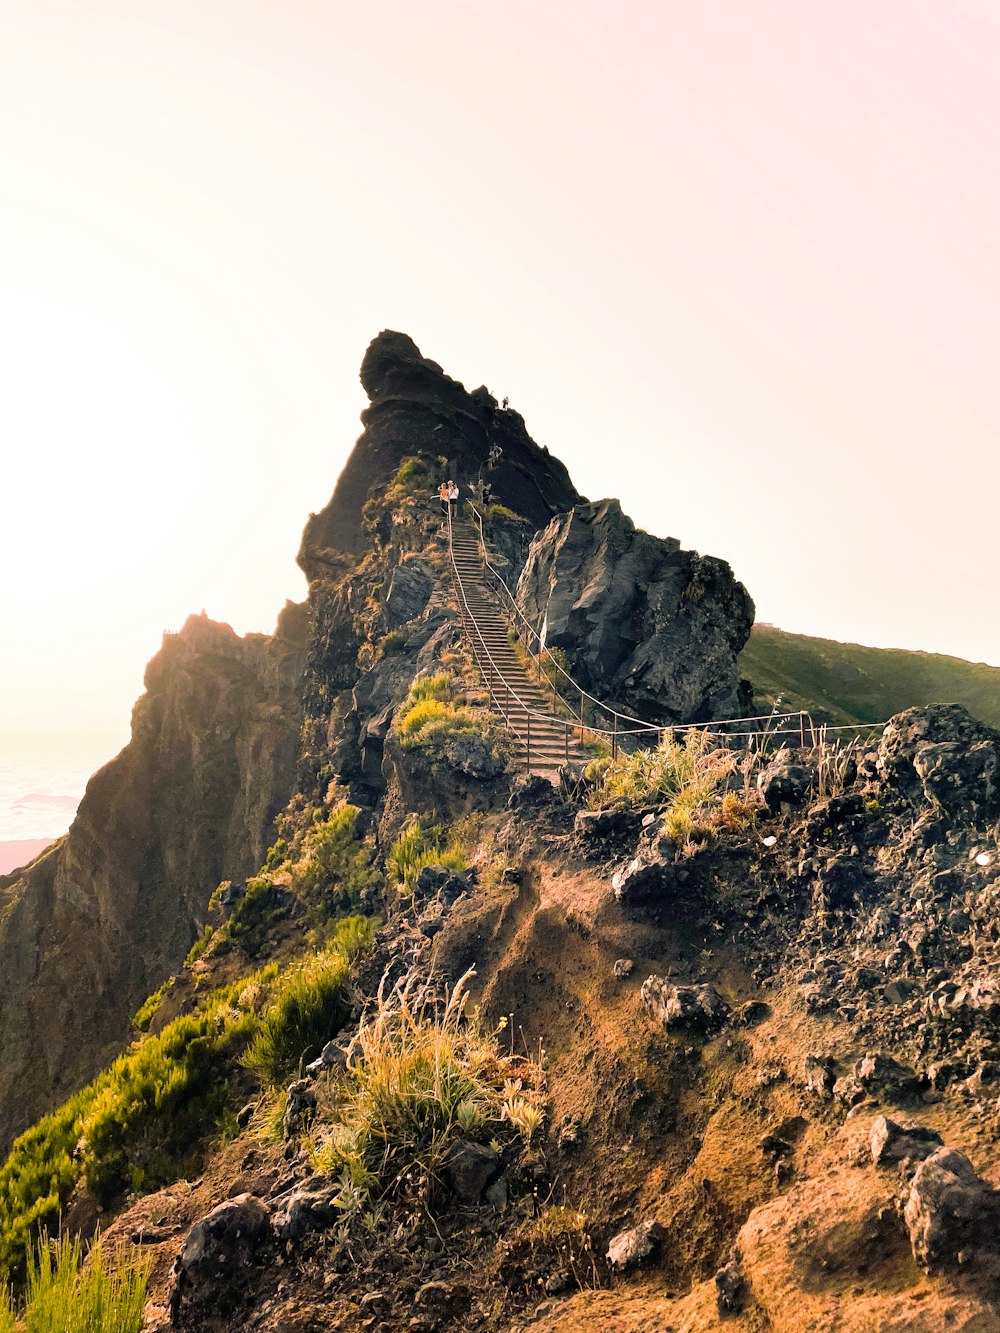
803, 727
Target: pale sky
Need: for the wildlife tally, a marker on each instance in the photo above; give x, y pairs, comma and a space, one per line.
736, 262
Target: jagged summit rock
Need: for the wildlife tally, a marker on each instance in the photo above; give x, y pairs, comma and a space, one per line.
645, 624
416, 409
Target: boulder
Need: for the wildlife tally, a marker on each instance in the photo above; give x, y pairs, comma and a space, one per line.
332, 1058
438, 881
786, 781
653, 877
469, 1168
641, 620
882, 1076
409, 591
820, 1075
629, 1248
731, 1291
952, 1215
614, 824
213, 1260
699, 1008
299, 1108
309, 1207
940, 755
896, 1143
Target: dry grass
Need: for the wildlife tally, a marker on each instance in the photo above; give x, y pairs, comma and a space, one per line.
424, 1073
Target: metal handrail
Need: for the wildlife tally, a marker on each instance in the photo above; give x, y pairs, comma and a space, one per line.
495, 671
614, 733
635, 725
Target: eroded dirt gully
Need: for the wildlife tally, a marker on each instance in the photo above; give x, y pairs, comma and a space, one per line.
652, 1125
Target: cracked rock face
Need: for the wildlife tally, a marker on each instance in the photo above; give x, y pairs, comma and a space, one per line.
642, 622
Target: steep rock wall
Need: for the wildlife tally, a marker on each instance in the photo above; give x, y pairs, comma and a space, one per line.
644, 623
99, 921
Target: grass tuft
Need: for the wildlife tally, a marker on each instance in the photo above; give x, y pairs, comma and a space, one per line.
425, 1073
66, 1295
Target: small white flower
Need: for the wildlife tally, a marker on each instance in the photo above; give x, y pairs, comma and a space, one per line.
769, 841
983, 859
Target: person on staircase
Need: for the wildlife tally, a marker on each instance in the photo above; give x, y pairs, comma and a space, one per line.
444, 497
454, 496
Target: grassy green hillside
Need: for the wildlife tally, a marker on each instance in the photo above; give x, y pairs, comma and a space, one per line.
851, 683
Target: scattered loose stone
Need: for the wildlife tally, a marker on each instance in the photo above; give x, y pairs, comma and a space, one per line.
952, 1215
299, 1109
629, 1248
468, 1168
701, 1008
895, 1143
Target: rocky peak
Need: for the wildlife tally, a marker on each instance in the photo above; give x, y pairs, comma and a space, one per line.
416, 410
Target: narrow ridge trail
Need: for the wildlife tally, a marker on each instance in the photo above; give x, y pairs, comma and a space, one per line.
543, 742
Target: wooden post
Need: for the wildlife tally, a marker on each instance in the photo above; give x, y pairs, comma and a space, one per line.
614, 738
567, 744
802, 730
527, 758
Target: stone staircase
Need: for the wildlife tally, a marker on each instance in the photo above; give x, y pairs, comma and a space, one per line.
543, 743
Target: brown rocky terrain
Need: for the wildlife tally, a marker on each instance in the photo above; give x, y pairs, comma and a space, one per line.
744, 1052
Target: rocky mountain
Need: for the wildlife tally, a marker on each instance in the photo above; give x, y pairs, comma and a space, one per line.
111, 910
694, 1038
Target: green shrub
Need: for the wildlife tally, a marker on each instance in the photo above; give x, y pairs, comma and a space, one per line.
438, 686
66, 1296
393, 642
255, 914
307, 1008
199, 946
413, 471
418, 846
431, 719
687, 776
138, 1124
334, 864
147, 1011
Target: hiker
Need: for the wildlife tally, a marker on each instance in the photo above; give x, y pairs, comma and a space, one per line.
494, 456
506, 404
443, 496
487, 493
454, 497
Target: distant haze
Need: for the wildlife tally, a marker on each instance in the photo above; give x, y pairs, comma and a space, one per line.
737, 264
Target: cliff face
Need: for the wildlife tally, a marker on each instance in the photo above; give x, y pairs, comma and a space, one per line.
643, 623
418, 410
98, 922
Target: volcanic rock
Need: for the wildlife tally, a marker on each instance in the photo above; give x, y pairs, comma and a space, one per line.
895, 1143
417, 410
952, 1215
641, 620
700, 1008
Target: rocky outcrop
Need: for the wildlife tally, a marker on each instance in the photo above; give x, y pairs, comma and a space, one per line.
940, 755
417, 410
100, 921
645, 624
